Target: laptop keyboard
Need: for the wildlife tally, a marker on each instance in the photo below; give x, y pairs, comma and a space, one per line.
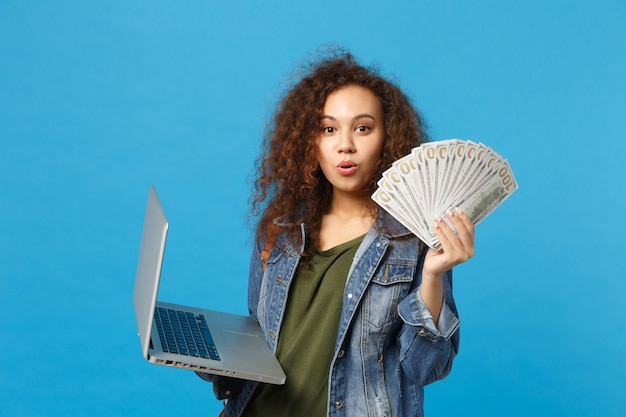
185, 333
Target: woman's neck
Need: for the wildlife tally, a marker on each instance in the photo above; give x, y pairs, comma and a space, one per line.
349, 205
348, 217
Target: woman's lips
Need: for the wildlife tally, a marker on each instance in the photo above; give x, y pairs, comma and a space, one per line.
347, 167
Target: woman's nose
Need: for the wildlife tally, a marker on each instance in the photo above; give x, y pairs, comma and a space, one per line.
346, 142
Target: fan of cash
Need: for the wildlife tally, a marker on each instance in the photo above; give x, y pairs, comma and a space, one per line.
444, 175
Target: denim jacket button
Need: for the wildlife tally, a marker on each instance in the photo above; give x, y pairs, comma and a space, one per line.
422, 333
340, 354
338, 404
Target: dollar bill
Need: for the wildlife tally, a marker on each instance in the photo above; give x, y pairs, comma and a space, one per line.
440, 176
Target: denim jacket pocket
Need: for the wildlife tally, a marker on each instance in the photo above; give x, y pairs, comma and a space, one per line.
390, 284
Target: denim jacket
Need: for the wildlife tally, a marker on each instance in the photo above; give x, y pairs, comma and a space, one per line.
388, 346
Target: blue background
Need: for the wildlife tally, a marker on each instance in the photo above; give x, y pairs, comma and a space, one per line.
100, 99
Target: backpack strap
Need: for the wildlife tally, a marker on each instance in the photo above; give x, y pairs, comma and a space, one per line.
265, 253
270, 237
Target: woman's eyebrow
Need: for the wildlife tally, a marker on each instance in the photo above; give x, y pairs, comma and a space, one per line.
357, 117
364, 116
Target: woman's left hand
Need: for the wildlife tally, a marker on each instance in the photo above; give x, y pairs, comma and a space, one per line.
456, 247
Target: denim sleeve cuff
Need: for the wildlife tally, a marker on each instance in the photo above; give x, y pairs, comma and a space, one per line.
414, 312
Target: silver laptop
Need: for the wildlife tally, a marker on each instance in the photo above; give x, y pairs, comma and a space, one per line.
192, 338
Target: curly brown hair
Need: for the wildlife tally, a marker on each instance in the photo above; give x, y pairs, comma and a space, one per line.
289, 182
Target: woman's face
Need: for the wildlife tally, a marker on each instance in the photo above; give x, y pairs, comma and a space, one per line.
351, 138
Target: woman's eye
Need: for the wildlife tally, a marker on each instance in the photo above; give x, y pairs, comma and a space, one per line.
328, 129
363, 128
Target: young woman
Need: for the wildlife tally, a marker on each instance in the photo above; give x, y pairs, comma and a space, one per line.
359, 312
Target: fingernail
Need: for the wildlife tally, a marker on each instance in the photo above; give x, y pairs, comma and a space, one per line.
436, 222
449, 213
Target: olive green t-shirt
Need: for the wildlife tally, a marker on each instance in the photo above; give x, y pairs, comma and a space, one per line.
307, 337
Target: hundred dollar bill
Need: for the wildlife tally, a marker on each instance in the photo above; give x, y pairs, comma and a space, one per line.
385, 200
446, 157
492, 193
403, 173
398, 202
430, 163
457, 169
477, 170
488, 169
394, 186
419, 179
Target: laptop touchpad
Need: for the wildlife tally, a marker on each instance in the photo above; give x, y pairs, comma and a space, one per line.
239, 340
241, 333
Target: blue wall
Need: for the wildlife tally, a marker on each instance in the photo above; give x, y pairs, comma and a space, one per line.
100, 99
